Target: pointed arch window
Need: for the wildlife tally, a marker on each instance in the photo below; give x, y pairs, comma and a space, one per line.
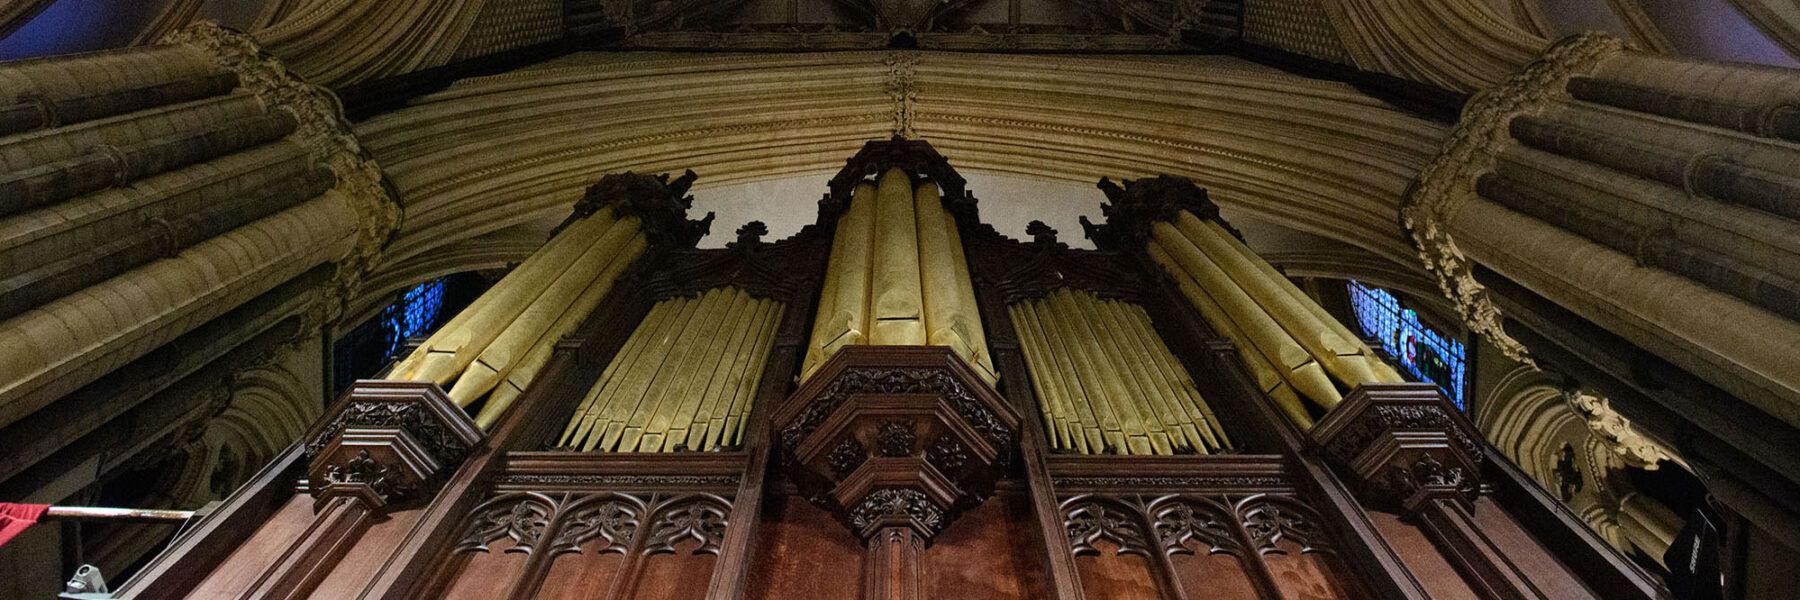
1422, 352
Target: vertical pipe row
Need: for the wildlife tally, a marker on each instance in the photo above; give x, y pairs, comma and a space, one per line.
898, 276
1107, 384
684, 379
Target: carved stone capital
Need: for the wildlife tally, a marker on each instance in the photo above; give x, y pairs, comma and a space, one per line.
388, 442
1401, 444
896, 436
326, 135
1449, 180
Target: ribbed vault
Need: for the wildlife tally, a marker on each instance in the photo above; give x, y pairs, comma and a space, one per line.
492, 152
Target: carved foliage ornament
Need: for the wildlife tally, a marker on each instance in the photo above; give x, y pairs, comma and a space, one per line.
1616, 431
386, 481
416, 420
1381, 418
1189, 523
905, 503
618, 521
877, 380
1469, 152
322, 130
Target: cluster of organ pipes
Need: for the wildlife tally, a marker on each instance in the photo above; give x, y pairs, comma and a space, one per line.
897, 276
684, 380
1106, 383
1292, 346
495, 347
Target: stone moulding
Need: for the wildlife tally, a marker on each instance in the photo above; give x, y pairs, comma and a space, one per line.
1448, 181
327, 137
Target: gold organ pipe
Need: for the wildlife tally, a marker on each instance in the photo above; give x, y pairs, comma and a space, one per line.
897, 303
1338, 356
637, 347
1112, 317
527, 368
1115, 368
740, 405
1267, 376
1047, 384
1092, 430
1382, 371
1176, 377
844, 321
645, 427
687, 386
578, 428
683, 379
629, 395
524, 331
1122, 431
727, 366
445, 354
1298, 367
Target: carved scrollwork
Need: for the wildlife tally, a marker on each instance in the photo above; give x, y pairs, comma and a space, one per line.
702, 519
1089, 520
522, 517
1270, 519
613, 520
1428, 472
947, 455
895, 439
872, 380
1385, 417
1182, 520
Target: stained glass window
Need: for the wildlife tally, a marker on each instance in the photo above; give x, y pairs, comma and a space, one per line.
1422, 352
366, 350
414, 314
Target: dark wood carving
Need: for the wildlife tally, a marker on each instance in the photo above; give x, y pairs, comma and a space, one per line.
897, 436
917, 158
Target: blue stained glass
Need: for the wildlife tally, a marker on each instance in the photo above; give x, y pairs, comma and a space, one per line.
416, 313
1421, 351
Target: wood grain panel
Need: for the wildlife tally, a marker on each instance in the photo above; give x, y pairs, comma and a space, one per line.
804, 553
990, 552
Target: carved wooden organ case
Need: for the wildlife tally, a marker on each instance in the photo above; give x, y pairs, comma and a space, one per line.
896, 402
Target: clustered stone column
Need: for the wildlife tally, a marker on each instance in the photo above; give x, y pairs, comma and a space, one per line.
168, 213
1651, 195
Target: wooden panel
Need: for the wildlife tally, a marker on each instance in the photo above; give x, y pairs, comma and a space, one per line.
989, 552
1212, 576
1544, 569
680, 575
1114, 575
487, 575
804, 553
241, 570
1307, 576
581, 576
371, 550
1423, 561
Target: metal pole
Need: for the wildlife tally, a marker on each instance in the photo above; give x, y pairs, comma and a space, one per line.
133, 515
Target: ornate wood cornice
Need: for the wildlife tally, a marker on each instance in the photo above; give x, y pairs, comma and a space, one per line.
917, 158
388, 442
1020, 271
1132, 208
660, 204
776, 271
896, 436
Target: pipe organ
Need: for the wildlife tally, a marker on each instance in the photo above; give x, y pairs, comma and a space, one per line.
899, 401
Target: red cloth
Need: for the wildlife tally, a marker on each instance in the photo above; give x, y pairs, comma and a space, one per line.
14, 518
